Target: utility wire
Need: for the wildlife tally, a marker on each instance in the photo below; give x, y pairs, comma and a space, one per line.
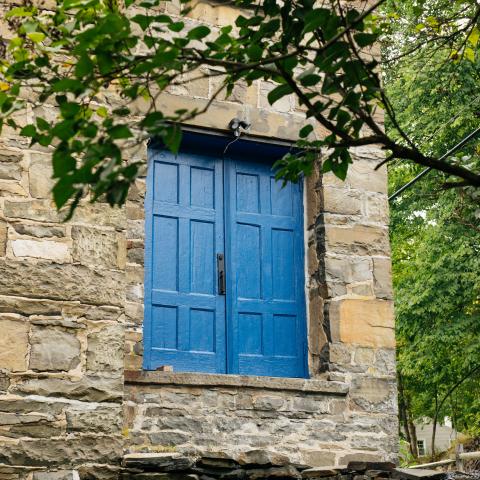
443, 157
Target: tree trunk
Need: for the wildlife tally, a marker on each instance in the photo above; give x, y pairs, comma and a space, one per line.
402, 410
434, 429
413, 435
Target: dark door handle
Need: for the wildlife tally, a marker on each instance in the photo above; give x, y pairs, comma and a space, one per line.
221, 274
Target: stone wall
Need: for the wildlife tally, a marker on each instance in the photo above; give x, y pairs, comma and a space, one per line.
62, 296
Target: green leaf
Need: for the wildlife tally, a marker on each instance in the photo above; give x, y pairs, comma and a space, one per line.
176, 26
120, 131
306, 131
198, 33
474, 37
469, 54
254, 52
365, 39
36, 37
28, 131
278, 92
19, 12
84, 66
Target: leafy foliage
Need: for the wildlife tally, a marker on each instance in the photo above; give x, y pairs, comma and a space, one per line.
436, 232
98, 61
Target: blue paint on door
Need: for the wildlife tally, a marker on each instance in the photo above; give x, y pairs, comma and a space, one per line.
198, 206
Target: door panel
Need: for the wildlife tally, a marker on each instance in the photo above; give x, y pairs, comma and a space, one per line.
265, 293
185, 316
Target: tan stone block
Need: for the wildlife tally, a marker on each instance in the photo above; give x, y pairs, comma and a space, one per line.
56, 251
53, 350
40, 173
343, 201
316, 334
362, 322
105, 349
376, 208
284, 105
96, 247
358, 239
3, 238
313, 197
382, 274
364, 356
13, 343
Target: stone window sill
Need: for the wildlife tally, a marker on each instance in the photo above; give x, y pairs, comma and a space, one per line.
214, 380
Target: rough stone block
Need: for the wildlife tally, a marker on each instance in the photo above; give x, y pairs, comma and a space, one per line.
62, 282
3, 238
96, 247
39, 231
318, 458
105, 349
89, 388
362, 322
10, 171
57, 475
357, 239
342, 201
13, 344
53, 350
382, 274
41, 182
348, 269
56, 251
104, 419
371, 390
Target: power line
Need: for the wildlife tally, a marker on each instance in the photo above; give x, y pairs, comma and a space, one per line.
443, 157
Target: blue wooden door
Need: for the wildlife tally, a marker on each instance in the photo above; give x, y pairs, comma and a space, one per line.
199, 206
266, 298
184, 314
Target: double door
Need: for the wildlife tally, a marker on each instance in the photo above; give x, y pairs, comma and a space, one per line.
224, 262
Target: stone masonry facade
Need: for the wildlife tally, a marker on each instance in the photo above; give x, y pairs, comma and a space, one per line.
73, 396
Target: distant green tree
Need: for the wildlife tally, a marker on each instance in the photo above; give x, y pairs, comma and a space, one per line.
435, 231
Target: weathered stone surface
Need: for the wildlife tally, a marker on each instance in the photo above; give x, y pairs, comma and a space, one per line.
363, 322
38, 231
287, 471
348, 269
96, 247
262, 457
53, 350
41, 182
57, 475
360, 465
13, 343
10, 171
61, 282
105, 349
3, 238
357, 239
320, 472
94, 418
341, 200
382, 274
318, 458
56, 251
55, 452
163, 461
95, 389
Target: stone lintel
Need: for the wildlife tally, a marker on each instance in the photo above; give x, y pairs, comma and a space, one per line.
235, 381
